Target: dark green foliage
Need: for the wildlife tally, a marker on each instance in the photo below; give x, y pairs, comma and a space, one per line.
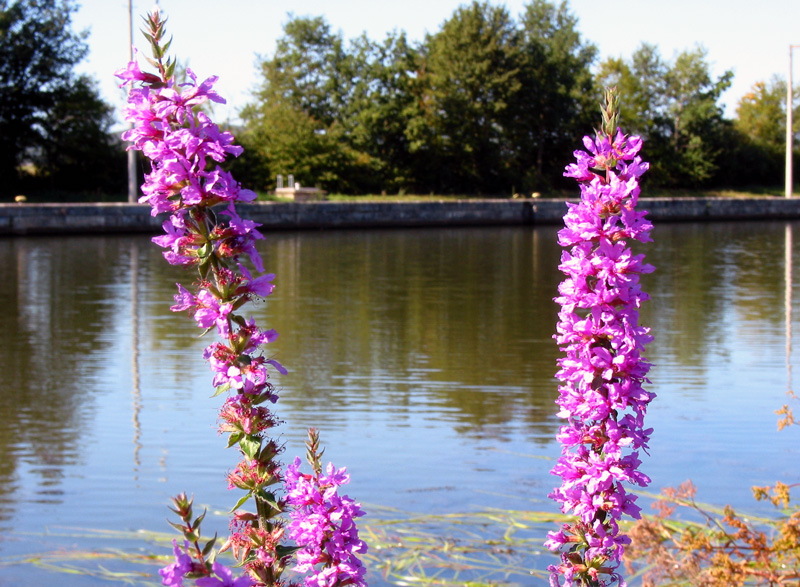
472, 70
485, 105
759, 154
558, 101
79, 154
385, 102
490, 105
296, 124
675, 107
53, 123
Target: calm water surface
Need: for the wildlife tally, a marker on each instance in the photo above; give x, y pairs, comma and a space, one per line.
424, 356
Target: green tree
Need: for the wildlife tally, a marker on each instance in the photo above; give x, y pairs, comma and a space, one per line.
471, 79
642, 89
80, 154
676, 107
557, 101
282, 139
760, 125
50, 118
484, 105
761, 114
382, 108
294, 126
696, 118
307, 69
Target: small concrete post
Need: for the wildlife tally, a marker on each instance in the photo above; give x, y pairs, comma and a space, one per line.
280, 181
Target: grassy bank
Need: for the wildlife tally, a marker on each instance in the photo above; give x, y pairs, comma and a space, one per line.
55, 196
754, 192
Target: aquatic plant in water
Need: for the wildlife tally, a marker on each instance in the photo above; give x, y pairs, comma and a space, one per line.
205, 232
603, 369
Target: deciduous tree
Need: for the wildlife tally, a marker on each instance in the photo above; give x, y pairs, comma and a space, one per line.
760, 141
675, 106
50, 118
294, 126
557, 101
761, 114
472, 68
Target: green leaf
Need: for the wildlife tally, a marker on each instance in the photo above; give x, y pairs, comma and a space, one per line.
180, 528
205, 267
240, 301
199, 519
241, 502
268, 497
250, 445
212, 557
234, 438
209, 545
283, 551
215, 290
221, 389
205, 250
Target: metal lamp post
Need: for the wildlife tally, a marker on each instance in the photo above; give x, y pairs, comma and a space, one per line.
132, 190
789, 137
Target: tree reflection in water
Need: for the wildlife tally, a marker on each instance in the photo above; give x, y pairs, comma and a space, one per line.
425, 356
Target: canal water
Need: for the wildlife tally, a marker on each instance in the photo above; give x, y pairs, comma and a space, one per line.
424, 356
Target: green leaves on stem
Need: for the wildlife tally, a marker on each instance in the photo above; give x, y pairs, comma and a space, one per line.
182, 507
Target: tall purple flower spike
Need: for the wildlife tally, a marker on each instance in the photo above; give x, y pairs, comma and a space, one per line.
603, 369
204, 231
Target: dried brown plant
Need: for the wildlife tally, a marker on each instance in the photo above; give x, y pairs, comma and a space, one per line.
718, 547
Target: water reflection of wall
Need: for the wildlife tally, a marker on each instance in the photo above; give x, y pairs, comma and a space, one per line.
57, 301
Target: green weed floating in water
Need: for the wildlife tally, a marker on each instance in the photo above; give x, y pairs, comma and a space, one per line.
480, 549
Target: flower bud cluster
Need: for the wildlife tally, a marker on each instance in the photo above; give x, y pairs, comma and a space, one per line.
602, 372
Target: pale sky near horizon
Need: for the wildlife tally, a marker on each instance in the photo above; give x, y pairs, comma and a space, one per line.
226, 41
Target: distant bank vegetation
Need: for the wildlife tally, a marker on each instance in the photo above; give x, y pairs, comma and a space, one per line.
490, 104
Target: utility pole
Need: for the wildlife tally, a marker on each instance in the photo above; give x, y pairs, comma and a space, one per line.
789, 133
132, 187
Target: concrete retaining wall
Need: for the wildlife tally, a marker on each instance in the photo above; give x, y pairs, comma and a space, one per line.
76, 218
19, 219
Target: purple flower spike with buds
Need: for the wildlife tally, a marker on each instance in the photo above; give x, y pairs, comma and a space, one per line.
603, 371
205, 232
323, 523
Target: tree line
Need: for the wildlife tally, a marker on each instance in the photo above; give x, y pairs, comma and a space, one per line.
489, 104
54, 126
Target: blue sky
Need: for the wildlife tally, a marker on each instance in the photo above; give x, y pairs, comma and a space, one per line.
750, 38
